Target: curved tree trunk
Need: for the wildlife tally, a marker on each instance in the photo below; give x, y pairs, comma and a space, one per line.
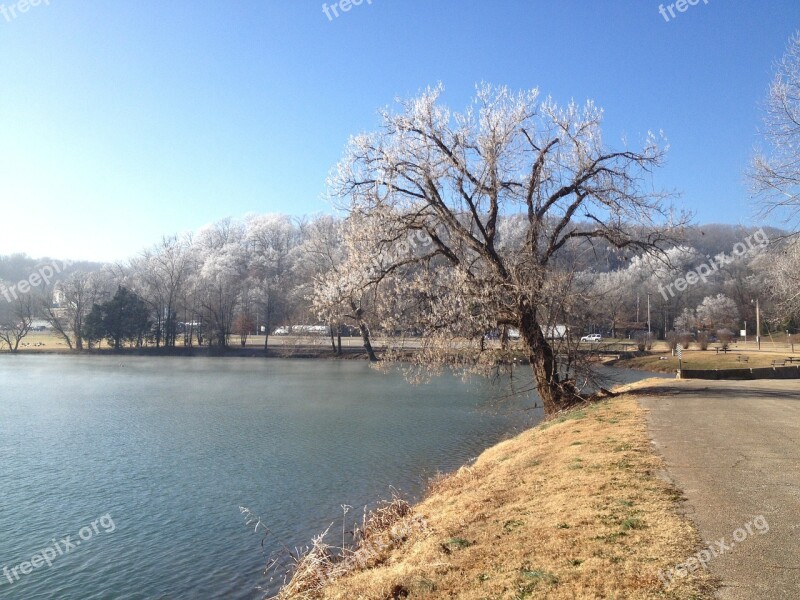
367, 344
545, 366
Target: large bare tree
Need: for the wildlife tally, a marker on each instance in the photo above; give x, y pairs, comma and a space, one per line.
775, 171
159, 276
66, 304
455, 178
272, 240
782, 271
16, 319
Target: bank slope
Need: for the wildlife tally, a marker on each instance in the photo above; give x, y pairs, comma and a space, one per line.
573, 508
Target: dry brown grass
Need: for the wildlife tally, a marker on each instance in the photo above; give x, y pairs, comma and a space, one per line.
382, 530
571, 509
709, 359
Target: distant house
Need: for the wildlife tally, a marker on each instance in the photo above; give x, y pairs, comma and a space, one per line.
40, 325
556, 332
302, 330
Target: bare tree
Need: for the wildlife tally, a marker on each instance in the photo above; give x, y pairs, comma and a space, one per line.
783, 271
160, 275
776, 172
222, 274
718, 312
453, 176
272, 240
66, 305
16, 318
341, 290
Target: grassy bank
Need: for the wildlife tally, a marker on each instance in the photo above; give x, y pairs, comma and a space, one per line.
573, 508
709, 359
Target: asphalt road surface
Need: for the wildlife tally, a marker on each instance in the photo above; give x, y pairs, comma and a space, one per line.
733, 447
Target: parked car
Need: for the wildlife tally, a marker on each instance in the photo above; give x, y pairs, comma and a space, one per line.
593, 337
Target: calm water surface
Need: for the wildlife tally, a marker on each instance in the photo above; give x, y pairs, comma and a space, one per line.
168, 449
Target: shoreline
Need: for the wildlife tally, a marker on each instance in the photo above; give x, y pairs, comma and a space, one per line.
585, 485
299, 352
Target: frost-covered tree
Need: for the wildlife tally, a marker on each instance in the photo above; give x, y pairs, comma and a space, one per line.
783, 274
222, 258
343, 287
686, 321
272, 240
717, 312
159, 276
775, 172
453, 176
614, 296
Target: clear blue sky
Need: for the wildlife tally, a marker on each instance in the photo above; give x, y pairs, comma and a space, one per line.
124, 121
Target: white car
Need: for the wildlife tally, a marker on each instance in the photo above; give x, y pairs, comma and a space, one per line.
594, 337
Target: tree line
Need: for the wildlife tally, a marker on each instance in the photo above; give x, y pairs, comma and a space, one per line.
454, 228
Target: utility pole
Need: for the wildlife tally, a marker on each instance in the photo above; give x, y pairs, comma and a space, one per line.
649, 330
758, 325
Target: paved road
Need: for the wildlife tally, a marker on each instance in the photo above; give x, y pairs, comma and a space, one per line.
733, 447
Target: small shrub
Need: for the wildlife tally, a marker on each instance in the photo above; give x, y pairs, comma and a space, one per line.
702, 340
672, 340
685, 339
644, 341
725, 337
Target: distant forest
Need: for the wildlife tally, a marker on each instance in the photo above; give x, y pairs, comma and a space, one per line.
243, 277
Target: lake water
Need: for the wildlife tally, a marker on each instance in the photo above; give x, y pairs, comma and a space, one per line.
144, 464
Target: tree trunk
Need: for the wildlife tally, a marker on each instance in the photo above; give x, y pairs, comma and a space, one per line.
362, 327
367, 344
545, 366
339, 338
267, 323
333, 340
158, 329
